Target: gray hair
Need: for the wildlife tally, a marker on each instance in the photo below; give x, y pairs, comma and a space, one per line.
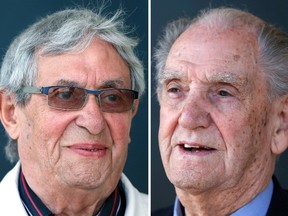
273, 43
66, 31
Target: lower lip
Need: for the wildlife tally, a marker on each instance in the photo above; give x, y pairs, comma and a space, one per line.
98, 153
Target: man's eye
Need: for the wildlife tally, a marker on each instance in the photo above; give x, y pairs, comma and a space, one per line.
173, 90
223, 93
112, 97
64, 95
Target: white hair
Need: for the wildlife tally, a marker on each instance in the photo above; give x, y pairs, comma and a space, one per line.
273, 43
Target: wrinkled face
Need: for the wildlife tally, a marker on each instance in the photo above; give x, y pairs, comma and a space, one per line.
85, 148
215, 117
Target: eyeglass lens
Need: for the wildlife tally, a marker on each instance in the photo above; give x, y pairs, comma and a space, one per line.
73, 98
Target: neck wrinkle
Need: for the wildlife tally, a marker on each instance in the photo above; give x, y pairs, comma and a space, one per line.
221, 202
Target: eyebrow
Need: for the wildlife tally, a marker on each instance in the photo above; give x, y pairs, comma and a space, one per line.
170, 75
112, 83
219, 77
229, 78
105, 84
67, 83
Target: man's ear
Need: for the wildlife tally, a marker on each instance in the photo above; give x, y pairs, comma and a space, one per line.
280, 134
8, 115
135, 107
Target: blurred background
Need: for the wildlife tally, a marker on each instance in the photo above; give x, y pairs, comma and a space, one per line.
164, 11
17, 15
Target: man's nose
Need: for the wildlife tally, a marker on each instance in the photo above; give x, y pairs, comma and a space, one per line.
91, 117
195, 112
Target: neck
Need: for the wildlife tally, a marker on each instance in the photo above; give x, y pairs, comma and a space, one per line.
71, 201
75, 203
221, 201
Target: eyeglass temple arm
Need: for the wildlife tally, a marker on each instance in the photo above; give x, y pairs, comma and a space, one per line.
32, 89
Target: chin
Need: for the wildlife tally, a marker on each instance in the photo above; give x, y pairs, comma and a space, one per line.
187, 180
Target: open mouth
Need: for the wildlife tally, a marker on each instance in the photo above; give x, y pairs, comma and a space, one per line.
196, 148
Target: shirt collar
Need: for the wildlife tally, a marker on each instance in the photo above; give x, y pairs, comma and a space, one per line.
258, 206
33, 205
178, 208
114, 205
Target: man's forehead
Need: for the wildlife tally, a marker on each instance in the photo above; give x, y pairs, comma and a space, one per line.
217, 59
216, 31
197, 34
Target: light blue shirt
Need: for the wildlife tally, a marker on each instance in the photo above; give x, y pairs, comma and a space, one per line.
256, 207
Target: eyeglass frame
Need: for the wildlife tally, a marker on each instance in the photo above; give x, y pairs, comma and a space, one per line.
97, 92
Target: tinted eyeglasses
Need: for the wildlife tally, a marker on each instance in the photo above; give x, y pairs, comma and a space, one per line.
112, 100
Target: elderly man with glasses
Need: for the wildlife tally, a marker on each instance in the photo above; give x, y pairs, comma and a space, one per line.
70, 86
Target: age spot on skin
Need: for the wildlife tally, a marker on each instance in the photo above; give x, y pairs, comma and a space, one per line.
236, 58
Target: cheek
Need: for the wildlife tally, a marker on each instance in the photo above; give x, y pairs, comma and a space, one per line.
45, 133
25, 146
261, 133
119, 126
44, 123
34, 134
51, 133
246, 136
168, 123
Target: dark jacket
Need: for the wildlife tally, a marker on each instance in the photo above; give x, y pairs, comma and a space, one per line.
277, 207
279, 201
